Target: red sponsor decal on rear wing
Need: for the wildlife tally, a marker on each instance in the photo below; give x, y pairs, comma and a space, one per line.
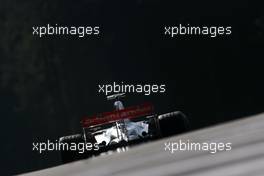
127, 113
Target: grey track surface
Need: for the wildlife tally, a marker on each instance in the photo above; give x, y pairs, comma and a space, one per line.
245, 159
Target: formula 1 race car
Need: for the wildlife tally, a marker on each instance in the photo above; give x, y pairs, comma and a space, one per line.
123, 127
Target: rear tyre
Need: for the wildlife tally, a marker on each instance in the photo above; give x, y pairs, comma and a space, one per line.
173, 123
68, 155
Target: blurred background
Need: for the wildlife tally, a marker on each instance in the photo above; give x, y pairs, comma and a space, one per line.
48, 84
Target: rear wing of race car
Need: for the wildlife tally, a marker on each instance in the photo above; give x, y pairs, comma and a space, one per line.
127, 113
115, 96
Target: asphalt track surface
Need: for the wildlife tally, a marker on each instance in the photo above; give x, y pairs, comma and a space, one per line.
245, 159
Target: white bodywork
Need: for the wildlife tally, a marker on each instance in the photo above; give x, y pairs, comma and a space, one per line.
122, 131
115, 134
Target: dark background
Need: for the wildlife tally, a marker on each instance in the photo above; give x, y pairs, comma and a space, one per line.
47, 84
